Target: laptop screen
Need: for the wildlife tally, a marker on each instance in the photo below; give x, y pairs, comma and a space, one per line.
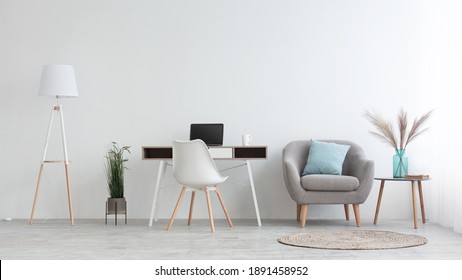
210, 133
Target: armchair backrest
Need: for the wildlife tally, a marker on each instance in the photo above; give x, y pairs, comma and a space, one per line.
297, 152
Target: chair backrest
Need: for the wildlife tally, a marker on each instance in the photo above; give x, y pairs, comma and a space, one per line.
193, 166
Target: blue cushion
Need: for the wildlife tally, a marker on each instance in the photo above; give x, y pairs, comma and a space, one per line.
325, 158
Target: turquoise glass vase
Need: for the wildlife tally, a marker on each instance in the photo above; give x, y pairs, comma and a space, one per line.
400, 164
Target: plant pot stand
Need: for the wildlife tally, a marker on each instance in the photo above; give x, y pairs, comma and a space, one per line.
115, 206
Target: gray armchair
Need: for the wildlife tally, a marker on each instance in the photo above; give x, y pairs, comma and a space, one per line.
352, 187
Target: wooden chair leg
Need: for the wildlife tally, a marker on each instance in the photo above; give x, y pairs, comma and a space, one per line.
209, 206
347, 211
299, 208
304, 210
224, 208
176, 208
191, 206
357, 216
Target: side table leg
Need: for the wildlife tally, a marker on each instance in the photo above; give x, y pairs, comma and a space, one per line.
379, 200
413, 204
422, 207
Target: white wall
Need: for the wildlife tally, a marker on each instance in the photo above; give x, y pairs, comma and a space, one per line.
278, 70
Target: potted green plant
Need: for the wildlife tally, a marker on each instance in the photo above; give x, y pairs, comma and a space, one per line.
114, 166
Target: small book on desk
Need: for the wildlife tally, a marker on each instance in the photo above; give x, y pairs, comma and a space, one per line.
417, 177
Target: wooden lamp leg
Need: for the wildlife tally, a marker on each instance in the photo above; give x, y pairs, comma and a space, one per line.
69, 197
66, 162
36, 194
50, 123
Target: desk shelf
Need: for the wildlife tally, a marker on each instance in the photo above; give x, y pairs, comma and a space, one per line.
238, 152
157, 153
250, 152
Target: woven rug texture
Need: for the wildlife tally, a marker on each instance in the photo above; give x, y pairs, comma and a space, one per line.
353, 240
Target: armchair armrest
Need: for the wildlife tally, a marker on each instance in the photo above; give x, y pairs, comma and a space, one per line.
292, 180
364, 171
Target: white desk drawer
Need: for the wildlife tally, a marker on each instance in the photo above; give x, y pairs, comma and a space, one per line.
221, 152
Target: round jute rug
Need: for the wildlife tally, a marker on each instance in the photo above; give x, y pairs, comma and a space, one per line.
353, 240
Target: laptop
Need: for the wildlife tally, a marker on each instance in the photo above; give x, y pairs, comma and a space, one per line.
210, 133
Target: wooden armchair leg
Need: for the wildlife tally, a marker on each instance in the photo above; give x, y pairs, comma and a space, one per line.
304, 210
299, 208
347, 211
357, 216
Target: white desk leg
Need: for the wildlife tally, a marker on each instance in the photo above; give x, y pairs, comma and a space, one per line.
160, 177
252, 186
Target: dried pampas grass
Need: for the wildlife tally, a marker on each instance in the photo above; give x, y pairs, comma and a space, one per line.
386, 133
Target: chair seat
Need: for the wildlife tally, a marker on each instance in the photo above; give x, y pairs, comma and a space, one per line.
329, 183
201, 189
196, 184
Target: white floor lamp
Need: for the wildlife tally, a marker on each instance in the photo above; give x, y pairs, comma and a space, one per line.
57, 81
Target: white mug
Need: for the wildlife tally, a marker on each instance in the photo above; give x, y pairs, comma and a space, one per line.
246, 139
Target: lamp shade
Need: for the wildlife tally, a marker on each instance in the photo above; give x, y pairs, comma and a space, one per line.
58, 81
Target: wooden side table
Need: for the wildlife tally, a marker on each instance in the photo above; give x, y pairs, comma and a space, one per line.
413, 181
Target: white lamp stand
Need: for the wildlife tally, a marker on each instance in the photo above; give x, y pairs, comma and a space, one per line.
57, 81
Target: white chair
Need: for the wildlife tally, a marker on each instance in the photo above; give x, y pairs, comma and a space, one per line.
194, 168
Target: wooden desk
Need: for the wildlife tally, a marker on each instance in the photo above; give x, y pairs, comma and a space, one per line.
419, 182
239, 153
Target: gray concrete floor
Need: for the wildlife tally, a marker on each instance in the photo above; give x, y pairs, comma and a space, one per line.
91, 239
